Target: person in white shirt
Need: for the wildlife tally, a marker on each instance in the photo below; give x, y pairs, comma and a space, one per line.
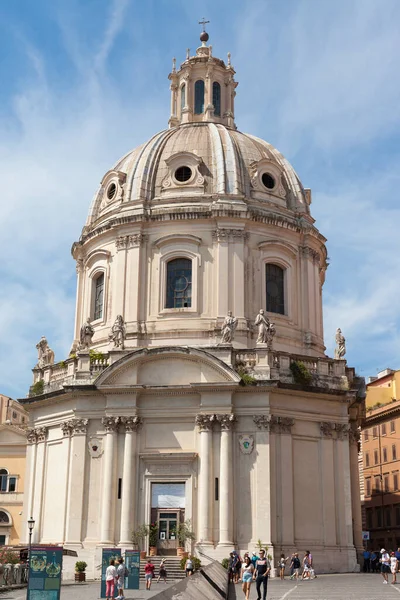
394, 565
385, 565
111, 577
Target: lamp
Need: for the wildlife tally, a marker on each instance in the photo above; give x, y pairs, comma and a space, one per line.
31, 525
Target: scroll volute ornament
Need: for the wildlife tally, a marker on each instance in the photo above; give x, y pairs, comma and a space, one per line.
112, 189
184, 159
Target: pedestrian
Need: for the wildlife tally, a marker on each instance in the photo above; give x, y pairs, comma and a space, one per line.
282, 565
311, 563
122, 572
295, 566
162, 572
189, 566
263, 568
397, 554
111, 577
254, 559
367, 561
394, 565
230, 567
306, 566
148, 573
236, 566
373, 561
385, 564
247, 572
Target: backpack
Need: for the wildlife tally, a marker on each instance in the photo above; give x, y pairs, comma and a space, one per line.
126, 572
296, 563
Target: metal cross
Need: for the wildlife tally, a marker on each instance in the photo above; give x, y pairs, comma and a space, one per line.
203, 22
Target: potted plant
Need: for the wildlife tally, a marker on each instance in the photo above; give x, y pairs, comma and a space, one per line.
153, 539
184, 533
80, 567
138, 535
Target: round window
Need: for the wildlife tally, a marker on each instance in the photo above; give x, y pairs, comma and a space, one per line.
183, 174
268, 181
111, 191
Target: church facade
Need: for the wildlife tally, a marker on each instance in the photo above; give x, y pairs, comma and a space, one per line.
197, 388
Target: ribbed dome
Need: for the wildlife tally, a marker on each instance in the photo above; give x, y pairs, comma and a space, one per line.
225, 164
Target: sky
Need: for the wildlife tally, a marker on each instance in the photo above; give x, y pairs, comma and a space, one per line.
85, 81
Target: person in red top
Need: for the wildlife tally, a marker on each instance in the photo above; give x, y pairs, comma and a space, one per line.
148, 573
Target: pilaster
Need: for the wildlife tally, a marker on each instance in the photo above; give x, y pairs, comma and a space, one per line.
76, 430
109, 480
227, 423
205, 423
132, 426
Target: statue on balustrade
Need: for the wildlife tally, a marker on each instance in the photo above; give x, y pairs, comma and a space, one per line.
86, 334
228, 328
45, 353
340, 349
118, 332
266, 330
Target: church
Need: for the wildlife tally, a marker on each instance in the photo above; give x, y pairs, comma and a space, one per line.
197, 387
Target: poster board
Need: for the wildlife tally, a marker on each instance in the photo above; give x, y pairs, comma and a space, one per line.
132, 563
107, 555
45, 568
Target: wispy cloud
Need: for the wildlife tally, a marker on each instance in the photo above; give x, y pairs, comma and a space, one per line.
116, 22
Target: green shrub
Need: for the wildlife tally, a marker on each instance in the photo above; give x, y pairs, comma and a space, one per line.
38, 388
95, 355
225, 563
196, 563
301, 374
80, 566
246, 378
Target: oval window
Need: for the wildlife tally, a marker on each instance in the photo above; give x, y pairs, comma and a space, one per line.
268, 181
183, 174
111, 191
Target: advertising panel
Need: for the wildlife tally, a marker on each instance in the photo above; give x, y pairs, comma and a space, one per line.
132, 563
45, 566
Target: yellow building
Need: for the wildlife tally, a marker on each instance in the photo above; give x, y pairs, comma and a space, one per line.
383, 389
12, 475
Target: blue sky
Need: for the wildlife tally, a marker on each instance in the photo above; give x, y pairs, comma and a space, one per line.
84, 81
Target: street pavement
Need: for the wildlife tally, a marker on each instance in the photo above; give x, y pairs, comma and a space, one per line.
325, 587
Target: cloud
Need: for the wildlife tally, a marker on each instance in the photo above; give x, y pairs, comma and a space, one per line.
116, 22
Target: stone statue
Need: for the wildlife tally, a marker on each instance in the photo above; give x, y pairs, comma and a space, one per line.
228, 328
340, 349
266, 330
118, 332
86, 334
45, 353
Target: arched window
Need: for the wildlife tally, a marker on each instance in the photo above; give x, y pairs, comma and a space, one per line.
274, 279
179, 283
4, 518
98, 297
217, 98
183, 96
199, 97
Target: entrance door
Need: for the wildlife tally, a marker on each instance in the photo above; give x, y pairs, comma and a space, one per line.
167, 525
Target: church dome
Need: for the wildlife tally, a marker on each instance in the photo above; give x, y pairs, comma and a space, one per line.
198, 162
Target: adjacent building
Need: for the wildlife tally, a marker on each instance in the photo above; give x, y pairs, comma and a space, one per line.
381, 461
197, 387
12, 412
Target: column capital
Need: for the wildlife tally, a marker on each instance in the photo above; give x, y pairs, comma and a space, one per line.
227, 421
327, 429
354, 433
41, 433
31, 436
111, 424
274, 424
205, 422
73, 426
132, 423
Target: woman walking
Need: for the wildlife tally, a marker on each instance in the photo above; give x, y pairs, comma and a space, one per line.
247, 575
148, 573
306, 567
162, 573
282, 565
189, 568
111, 577
394, 565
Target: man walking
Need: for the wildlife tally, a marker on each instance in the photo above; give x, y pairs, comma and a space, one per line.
385, 565
367, 561
263, 568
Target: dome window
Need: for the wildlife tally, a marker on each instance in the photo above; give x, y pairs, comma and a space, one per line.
183, 174
268, 181
199, 97
217, 98
111, 191
275, 292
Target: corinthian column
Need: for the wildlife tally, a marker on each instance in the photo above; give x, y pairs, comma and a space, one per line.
108, 492
132, 424
226, 481
205, 424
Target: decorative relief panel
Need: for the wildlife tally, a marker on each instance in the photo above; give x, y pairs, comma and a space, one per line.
95, 446
246, 444
124, 242
226, 235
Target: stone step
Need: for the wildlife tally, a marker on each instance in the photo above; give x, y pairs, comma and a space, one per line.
172, 565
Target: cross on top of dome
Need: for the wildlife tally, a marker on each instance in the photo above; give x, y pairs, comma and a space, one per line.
204, 35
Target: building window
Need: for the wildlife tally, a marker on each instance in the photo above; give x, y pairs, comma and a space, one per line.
183, 96
4, 518
376, 457
368, 514
384, 452
383, 428
374, 432
397, 514
217, 98
366, 435
368, 487
367, 459
14, 415
179, 283
199, 97
395, 482
386, 483
394, 452
392, 427
7, 483
274, 278
388, 516
377, 484
98, 296
2, 540
379, 516
22, 419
